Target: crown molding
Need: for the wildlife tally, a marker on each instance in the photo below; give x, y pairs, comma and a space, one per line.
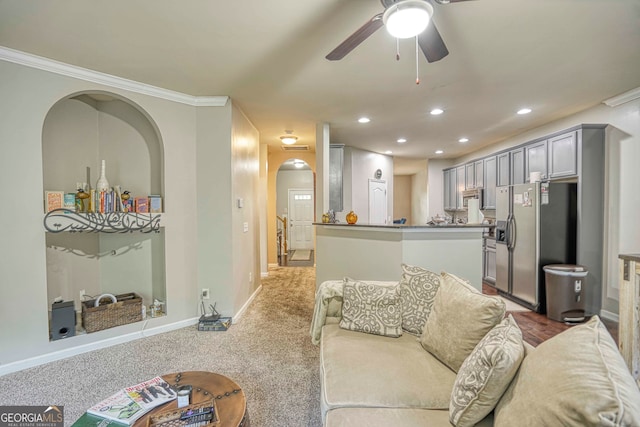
622, 98
52, 66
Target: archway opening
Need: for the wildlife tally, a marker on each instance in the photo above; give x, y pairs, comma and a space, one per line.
295, 210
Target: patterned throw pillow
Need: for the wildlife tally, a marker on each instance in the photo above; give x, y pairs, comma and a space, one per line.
461, 316
371, 308
418, 288
486, 374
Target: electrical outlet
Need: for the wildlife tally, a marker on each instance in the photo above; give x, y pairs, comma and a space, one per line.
250, 277
205, 293
82, 294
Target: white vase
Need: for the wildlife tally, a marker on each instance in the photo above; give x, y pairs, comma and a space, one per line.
103, 184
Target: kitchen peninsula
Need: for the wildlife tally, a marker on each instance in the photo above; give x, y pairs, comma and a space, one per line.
376, 252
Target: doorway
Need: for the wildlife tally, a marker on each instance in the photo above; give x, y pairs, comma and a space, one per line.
301, 219
377, 201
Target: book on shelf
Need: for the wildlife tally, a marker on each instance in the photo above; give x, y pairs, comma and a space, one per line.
131, 403
70, 201
141, 204
53, 200
155, 203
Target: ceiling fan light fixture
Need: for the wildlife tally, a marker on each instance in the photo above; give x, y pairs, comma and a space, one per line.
288, 139
407, 18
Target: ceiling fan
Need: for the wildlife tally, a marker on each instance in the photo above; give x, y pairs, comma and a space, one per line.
429, 38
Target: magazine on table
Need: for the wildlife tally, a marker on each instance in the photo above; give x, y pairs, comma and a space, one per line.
152, 393
118, 407
130, 403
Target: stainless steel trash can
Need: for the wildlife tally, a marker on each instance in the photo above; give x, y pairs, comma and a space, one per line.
564, 286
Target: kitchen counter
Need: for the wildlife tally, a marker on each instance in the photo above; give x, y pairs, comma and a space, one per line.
377, 252
405, 226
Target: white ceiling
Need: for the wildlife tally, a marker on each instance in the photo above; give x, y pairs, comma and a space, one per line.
556, 56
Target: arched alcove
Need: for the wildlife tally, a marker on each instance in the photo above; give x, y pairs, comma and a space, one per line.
79, 132
275, 160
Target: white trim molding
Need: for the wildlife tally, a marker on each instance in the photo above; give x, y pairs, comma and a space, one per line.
609, 316
246, 305
630, 95
52, 66
74, 351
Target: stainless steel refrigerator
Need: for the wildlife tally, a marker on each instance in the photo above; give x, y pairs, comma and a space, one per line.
535, 226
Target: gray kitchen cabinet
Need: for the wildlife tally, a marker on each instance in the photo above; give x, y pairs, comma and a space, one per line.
478, 167
460, 179
504, 169
536, 159
489, 264
446, 183
517, 166
563, 155
470, 176
490, 176
453, 189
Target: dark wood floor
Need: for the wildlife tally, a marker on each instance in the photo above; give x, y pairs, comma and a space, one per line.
537, 328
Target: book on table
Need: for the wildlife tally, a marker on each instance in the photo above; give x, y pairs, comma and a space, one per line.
131, 403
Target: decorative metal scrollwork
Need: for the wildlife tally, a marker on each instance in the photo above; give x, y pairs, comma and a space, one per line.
59, 220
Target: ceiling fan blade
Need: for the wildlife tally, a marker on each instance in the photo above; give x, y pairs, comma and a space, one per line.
432, 44
356, 38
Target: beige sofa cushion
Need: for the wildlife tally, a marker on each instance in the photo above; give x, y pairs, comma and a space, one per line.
486, 374
392, 417
577, 378
461, 316
371, 308
364, 370
418, 288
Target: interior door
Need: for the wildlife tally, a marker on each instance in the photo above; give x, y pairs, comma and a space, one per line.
300, 219
377, 201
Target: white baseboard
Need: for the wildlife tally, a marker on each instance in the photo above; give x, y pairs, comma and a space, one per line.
264, 274
273, 265
63, 354
240, 312
609, 316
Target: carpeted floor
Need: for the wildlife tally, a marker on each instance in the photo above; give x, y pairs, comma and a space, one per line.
268, 353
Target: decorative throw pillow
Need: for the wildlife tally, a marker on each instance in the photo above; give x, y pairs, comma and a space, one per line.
418, 288
461, 316
577, 378
486, 374
371, 308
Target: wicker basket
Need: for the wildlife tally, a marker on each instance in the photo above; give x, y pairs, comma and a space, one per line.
171, 417
127, 309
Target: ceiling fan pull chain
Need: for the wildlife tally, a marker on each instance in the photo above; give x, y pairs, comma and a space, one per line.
417, 63
397, 49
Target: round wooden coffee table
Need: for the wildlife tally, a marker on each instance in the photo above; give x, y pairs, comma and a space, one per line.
230, 399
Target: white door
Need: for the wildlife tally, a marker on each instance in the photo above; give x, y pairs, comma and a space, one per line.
377, 201
300, 219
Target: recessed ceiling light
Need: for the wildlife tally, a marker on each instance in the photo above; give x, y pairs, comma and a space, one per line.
364, 120
437, 111
524, 111
388, 152
463, 140
402, 140
439, 151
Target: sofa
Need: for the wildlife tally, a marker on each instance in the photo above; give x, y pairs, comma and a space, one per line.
431, 350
